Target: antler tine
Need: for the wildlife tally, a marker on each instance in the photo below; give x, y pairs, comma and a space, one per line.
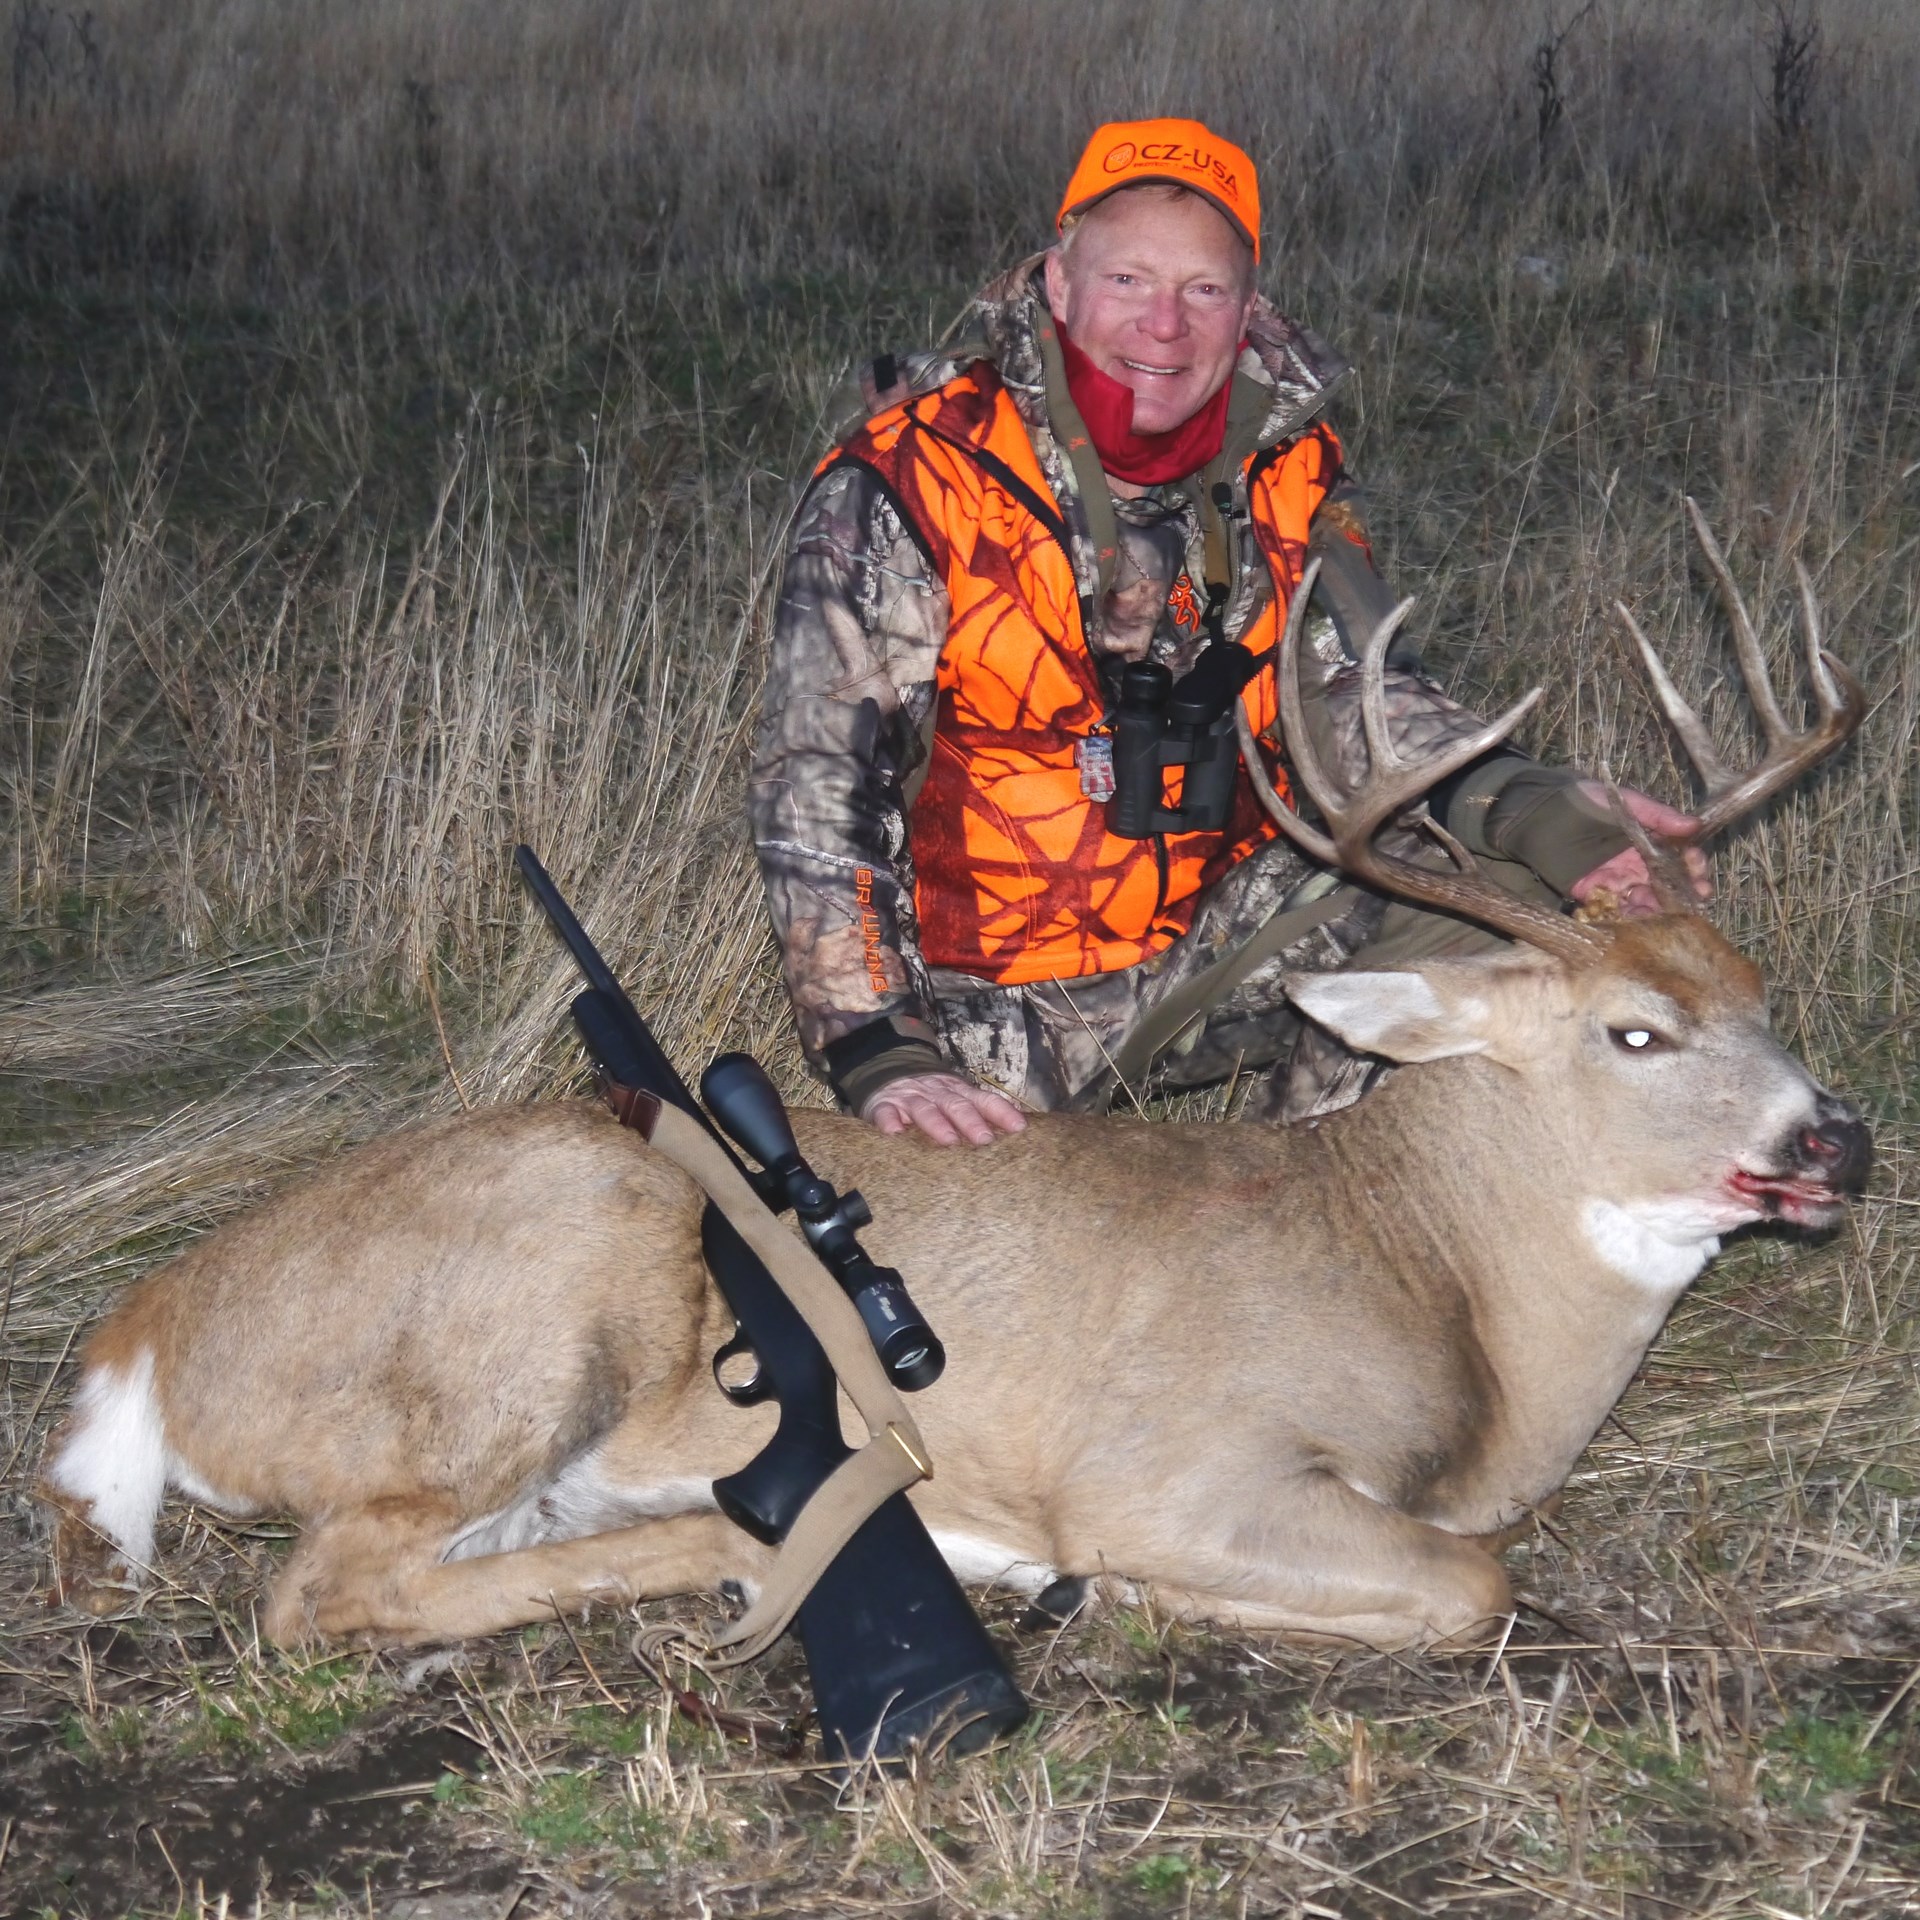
1680, 716
1316, 846
1746, 643
1305, 763
1829, 676
1795, 754
1381, 752
1355, 816
1393, 783
1379, 799
1293, 728
1839, 702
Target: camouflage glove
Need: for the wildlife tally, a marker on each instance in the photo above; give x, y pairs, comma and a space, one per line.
1512, 808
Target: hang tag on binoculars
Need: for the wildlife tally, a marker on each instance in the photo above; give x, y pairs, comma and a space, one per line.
1095, 757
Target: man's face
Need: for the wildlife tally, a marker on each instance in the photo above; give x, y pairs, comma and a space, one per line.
1156, 291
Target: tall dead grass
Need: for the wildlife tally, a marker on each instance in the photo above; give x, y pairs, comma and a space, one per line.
285, 721
399, 150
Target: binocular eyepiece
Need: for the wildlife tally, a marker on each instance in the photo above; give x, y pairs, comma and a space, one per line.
745, 1102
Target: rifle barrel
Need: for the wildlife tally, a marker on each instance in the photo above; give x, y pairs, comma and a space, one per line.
657, 1075
540, 884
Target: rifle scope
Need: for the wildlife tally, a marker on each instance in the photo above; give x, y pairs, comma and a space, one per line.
745, 1102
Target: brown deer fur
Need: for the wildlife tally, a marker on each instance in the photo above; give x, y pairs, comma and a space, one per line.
1276, 1377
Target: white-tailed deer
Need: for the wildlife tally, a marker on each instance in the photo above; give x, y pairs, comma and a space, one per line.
1286, 1378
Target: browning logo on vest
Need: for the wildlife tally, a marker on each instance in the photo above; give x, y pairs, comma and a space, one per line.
1017, 878
1183, 604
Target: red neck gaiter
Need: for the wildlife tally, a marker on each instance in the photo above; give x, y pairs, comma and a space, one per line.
1141, 459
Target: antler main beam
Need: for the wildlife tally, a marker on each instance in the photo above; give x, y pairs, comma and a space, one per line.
1839, 700
1392, 784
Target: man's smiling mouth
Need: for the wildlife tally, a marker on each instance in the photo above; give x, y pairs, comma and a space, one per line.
1140, 366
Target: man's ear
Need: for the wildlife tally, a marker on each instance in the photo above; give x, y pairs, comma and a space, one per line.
1404, 1016
1056, 272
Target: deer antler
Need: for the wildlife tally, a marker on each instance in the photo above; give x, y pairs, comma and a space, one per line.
1838, 697
1392, 784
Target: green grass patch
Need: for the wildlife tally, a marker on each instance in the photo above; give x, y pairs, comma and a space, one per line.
1817, 1752
298, 1709
590, 1813
117, 1735
1165, 1874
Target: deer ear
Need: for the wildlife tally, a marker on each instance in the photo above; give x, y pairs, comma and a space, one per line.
1404, 1016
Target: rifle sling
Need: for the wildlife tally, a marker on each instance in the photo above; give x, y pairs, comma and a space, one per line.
895, 1455
1163, 1024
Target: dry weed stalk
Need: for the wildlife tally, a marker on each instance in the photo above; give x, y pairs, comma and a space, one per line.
419, 146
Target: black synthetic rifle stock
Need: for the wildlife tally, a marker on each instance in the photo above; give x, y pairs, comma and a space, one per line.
895, 1652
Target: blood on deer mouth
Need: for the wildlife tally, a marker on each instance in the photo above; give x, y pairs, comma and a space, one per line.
1794, 1198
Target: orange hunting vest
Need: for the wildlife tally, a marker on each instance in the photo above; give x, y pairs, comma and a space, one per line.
1017, 878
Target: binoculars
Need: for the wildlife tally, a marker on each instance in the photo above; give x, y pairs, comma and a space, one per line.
1159, 723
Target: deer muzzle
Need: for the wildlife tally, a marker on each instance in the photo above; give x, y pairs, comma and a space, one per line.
1822, 1164
1837, 1148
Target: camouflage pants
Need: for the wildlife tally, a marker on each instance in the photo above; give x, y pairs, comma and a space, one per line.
1062, 1045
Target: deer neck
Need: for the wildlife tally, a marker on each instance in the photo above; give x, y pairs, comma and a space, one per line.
1490, 1189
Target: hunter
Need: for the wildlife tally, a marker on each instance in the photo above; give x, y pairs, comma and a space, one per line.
1127, 459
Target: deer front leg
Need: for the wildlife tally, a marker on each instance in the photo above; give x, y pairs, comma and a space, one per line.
1329, 1562
376, 1576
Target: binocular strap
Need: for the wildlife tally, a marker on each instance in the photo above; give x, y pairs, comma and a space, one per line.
895, 1455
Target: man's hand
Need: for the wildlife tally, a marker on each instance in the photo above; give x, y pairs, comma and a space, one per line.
945, 1107
1625, 876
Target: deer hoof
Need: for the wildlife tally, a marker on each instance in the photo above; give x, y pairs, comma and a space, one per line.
1057, 1603
90, 1574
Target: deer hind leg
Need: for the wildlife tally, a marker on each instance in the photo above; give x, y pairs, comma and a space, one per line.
1331, 1563
376, 1576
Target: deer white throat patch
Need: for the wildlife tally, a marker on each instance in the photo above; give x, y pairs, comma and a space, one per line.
1660, 1245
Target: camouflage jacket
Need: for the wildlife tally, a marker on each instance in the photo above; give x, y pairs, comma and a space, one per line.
847, 721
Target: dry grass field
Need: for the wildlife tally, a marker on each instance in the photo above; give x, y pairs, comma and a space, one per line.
399, 408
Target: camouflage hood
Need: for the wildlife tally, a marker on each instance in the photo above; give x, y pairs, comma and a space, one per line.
1001, 324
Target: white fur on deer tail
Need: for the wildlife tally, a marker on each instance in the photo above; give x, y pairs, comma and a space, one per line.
113, 1462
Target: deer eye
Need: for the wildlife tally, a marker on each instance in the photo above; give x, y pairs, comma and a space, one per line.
1636, 1039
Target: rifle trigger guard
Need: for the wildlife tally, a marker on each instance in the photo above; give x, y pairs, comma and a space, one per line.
755, 1387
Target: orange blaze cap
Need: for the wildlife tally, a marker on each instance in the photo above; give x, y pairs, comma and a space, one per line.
1183, 153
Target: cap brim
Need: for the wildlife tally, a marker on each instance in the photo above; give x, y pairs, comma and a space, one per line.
1186, 185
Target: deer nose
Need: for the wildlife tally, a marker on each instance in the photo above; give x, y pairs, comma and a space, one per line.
1838, 1146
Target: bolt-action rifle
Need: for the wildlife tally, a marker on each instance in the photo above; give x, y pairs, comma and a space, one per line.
895, 1652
